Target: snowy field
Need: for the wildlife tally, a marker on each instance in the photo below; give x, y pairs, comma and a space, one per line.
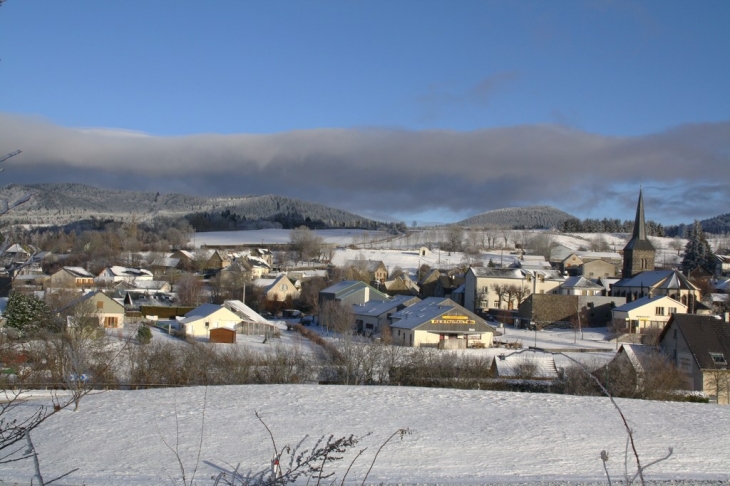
403, 250
279, 236
457, 437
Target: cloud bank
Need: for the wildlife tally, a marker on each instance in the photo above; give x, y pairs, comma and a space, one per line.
382, 172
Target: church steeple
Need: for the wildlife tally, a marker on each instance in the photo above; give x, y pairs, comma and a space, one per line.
639, 253
639, 226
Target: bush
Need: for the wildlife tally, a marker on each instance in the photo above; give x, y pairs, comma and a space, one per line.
144, 335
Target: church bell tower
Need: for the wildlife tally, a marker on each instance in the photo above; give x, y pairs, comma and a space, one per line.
639, 253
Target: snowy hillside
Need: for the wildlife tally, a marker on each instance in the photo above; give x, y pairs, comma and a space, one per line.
457, 437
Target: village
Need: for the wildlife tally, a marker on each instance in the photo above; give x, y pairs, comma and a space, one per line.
497, 307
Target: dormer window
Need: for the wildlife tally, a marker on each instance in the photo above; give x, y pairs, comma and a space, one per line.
718, 359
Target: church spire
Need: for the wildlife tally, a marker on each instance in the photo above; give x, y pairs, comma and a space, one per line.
639, 253
639, 225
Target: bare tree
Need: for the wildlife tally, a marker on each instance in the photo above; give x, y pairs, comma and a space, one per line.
454, 238
305, 243
501, 291
189, 290
338, 317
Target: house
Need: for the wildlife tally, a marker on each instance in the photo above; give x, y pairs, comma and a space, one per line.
428, 282
162, 265
579, 286
150, 286
258, 267
14, 255
96, 307
115, 274
646, 313
699, 346
373, 316
442, 323
401, 286
542, 310
200, 321
632, 368
373, 270
71, 278
506, 288
351, 292
559, 252
525, 366
30, 282
251, 321
597, 269
185, 259
243, 311
571, 264
279, 289
722, 265
217, 260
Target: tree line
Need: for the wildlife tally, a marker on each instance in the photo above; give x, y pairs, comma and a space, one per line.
606, 225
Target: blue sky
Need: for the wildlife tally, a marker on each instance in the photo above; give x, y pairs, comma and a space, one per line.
570, 89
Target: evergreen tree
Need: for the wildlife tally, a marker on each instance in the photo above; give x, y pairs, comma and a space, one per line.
697, 252
26, 313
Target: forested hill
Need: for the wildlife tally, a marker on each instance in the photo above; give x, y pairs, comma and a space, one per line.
719, 225
67, 203
528, 217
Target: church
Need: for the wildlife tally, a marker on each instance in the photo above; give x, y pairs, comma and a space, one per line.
640, 279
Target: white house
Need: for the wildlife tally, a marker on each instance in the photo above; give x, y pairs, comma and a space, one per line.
646, 313
115, 274
199, 321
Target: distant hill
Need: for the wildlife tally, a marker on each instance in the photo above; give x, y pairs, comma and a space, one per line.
718, 225
528, 217
62, 204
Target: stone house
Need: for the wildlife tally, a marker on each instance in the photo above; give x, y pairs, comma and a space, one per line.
506, 288
699, 346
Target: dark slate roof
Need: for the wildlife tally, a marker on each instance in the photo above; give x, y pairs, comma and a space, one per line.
424, 316
704, 335
639, 241
669, 279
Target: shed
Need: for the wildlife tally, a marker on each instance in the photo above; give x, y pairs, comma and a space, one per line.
223, 335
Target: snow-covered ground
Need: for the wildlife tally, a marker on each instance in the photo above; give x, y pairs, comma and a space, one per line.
403, 250
457, 436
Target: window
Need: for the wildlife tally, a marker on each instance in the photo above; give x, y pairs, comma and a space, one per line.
672, 310
111, 321
718, 359
284, 287
660, 311
100, 305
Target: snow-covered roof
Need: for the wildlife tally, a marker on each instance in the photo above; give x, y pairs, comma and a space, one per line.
579, 283
118, 271
244, 311
526, 366
78, 272
646, 301
377, 307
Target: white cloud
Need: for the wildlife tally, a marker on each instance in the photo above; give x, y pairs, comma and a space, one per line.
378, 171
